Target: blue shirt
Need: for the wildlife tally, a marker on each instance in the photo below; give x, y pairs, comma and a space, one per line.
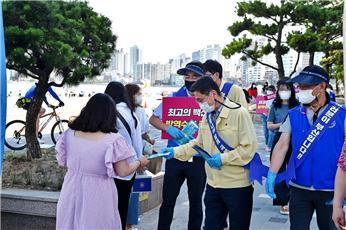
278, 115
30, 93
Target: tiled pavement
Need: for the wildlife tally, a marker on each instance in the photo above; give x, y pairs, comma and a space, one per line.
265, 216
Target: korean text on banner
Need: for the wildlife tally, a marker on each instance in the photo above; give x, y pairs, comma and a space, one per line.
178, 111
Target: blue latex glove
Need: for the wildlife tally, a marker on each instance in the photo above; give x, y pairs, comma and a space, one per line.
169, 150
270, 183
215, 161
175, 132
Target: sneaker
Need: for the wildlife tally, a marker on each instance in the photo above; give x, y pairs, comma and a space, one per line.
284, 210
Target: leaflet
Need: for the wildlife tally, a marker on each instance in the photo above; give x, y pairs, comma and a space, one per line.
201, 151
156, 155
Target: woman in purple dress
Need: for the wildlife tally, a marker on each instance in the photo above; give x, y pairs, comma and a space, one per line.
93, 152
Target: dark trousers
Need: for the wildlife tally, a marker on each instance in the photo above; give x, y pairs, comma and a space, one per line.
281, 190
236, 202
175, 174
124, 190
303, 203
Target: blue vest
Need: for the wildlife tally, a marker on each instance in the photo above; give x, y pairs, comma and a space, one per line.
319, 167
226, 88
332, 96
182, 92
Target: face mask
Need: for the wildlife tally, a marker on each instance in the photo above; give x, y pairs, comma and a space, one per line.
138, 100
188, 84
305, 96
285, 95
269, 92
206, 107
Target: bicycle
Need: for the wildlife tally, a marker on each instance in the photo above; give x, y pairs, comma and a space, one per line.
15, 130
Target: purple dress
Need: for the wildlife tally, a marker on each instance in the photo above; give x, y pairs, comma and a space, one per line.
89, 198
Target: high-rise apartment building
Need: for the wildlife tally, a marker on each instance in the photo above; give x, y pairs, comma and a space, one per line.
134, 58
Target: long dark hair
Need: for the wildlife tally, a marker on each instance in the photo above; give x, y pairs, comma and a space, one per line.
253, 85
292, 101
97, 115
132, 90
118, 93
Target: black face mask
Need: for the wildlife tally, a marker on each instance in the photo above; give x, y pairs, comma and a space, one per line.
188, 84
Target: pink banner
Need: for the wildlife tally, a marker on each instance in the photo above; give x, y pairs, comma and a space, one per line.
263, 103
178, 111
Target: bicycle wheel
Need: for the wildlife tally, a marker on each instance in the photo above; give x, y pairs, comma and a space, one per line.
15, 135
58, 128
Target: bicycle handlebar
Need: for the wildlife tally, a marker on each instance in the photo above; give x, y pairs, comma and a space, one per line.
54, 107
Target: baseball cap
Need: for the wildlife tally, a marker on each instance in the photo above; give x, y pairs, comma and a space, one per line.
192, 67
311, 75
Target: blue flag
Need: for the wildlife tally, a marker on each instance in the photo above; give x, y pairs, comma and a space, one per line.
3, 89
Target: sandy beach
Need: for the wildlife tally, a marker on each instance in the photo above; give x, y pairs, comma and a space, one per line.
73, 104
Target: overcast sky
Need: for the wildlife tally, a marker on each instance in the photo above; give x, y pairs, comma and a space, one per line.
168, 28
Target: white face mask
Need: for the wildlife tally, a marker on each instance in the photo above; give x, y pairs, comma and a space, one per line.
305, 96
206, 107
138, 100
284, 94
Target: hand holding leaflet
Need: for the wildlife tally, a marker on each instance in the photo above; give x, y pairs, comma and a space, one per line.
188, 131
167, 153
175, 132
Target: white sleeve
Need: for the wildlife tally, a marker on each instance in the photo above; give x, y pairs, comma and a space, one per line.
158, 110
143, 118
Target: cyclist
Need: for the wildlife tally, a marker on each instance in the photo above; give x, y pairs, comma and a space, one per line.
25, 101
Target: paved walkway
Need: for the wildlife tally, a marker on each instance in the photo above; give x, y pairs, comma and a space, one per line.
264, 215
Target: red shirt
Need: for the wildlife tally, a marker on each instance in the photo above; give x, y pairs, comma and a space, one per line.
253, 92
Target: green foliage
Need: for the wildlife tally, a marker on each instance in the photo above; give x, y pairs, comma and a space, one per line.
237, 46
304, 42
66, 37
320, 23
336, 61
267, 21
322, 20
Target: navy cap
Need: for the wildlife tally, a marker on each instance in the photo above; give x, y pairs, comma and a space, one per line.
191, 67
311, 75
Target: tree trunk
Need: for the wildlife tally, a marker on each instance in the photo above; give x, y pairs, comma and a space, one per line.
336, 86
328, 66
33, 147
278, 54
328, 70
311, 58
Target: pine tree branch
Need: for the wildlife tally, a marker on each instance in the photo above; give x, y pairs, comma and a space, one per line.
270, 37
295, 66
22, 72
262, 63
58, 84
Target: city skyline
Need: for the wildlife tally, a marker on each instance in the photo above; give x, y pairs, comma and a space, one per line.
234, 69
167, 29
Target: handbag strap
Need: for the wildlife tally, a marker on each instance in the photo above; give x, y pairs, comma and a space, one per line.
122, 119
